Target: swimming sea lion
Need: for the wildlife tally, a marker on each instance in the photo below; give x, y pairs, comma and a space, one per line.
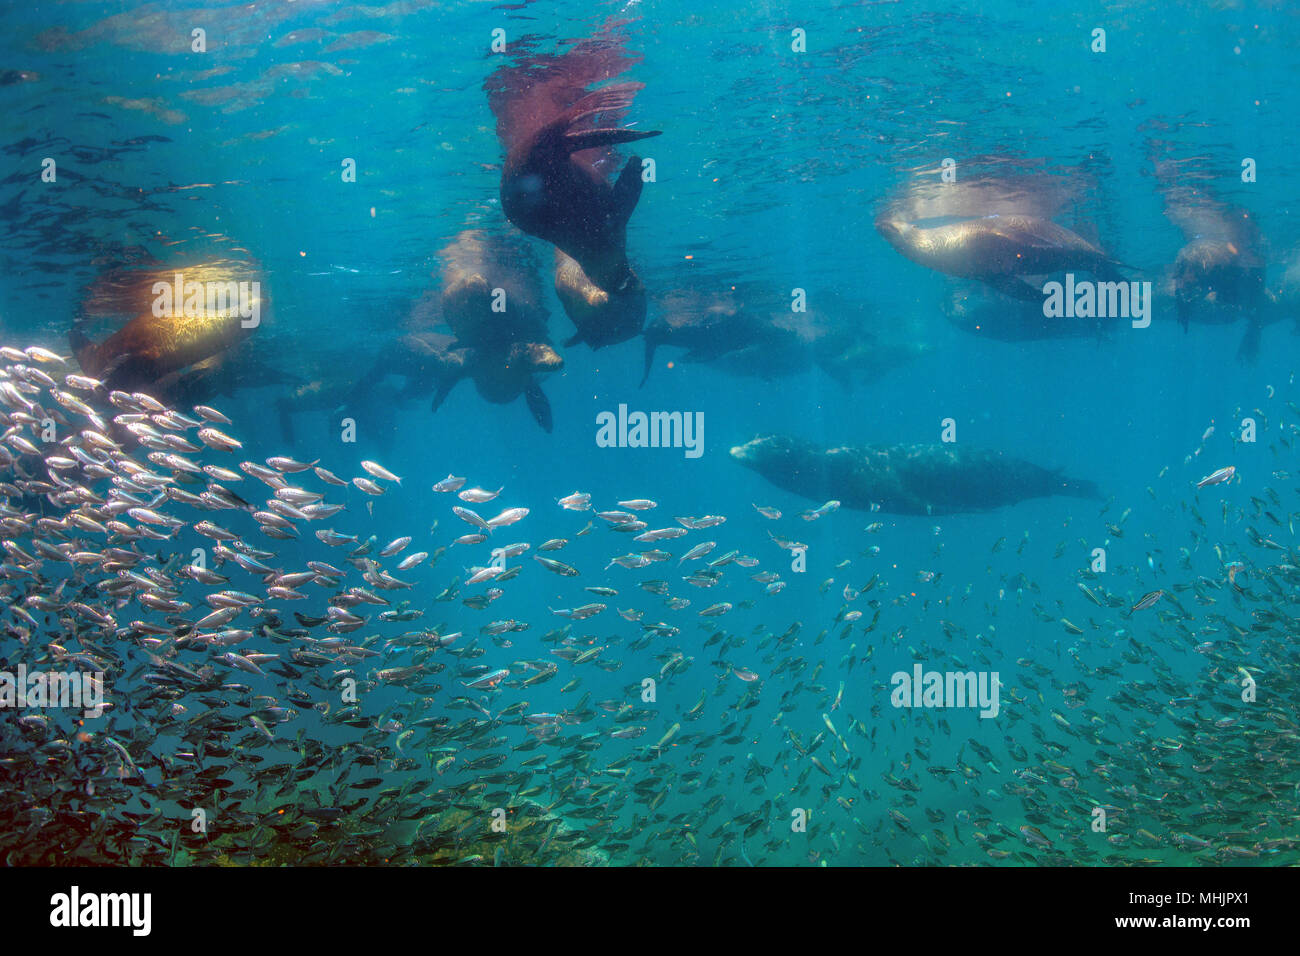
601, 318
923, 479
550, 191
1218, 274
998, 250
499, 377
150, 347
707, 323
201, 305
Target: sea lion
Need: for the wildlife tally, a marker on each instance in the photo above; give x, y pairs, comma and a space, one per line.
149, 347
1218, 275
1216, 280
708, 323
998, 250
923, 479
152, 348
600, 317
501, 377
549, 190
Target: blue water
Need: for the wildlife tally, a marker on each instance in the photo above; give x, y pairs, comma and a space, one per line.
770, 170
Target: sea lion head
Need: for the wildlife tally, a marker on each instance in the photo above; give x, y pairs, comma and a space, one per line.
772, 453
503, 378
896, 232
1217, 271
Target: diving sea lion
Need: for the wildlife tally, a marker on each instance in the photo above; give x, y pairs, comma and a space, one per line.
601, 318
549, 192
998, 250
923, 479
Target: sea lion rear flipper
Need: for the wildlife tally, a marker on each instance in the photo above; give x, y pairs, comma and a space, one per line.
627, 190
1013, 286
445, 385
1248, 351
539, 405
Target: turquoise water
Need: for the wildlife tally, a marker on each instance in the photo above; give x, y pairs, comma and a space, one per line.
770, 171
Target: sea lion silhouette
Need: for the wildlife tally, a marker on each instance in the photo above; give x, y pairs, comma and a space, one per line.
918, 479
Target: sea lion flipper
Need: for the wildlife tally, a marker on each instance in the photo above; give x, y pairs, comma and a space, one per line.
539, 405
1248, 351
649, 360
82, 348
573, 339
627, 190
599, 138
445, 385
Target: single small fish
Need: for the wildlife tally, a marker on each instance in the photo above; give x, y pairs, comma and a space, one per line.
578, 501
379, 471
477, 496
1218, 477
1151, 597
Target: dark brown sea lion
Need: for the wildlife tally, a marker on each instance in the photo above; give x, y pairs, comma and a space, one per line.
549, 191
602, 318
559, 159
924, 479
999, 250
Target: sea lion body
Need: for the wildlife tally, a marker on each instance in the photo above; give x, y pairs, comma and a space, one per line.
998, 250
923, 479
477, 264
151, 347
549, 192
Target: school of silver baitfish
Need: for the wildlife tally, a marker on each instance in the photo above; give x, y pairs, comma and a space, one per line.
226, 672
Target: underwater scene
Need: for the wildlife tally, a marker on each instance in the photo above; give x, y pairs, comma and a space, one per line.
644, 433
